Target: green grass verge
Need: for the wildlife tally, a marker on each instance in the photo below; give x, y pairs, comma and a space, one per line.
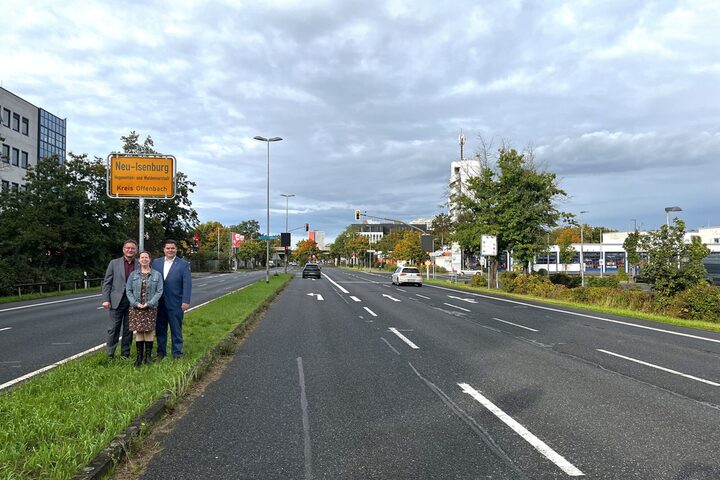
33, 296
57, 423
708, 326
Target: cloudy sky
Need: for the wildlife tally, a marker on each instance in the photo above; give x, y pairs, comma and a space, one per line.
620, 98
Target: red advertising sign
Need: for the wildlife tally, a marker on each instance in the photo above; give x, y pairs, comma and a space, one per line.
237, 240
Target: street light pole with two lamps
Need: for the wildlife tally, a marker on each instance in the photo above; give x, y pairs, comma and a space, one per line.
267, 241
667, 214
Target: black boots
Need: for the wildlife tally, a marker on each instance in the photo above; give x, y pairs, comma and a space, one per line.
140, 346
148, 353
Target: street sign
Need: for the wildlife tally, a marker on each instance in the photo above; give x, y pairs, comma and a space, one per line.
268, 237
141, 176
488, 245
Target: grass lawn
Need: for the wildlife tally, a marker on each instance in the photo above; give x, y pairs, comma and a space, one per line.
55, 424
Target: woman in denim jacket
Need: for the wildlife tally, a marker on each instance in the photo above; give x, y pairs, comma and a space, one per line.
144, 289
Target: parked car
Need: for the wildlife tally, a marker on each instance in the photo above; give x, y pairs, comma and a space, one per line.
407, 275
311, 270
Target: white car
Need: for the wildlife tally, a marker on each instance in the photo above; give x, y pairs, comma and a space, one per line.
407, 275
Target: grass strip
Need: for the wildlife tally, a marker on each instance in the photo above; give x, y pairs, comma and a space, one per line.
697, 324
57, 423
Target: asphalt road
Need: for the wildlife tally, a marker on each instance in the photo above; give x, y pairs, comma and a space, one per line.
373, 381
38, 333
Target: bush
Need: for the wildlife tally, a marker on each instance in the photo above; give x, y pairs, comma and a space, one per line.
565, 279
506, 280
701, 302
610, 281
478, 280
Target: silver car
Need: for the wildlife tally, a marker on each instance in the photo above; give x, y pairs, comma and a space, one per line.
407, 275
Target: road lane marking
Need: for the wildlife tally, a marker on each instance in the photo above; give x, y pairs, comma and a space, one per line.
49, 303
675, 372
342, 289
455, 306
422, 296
400, 290
202, 285
319, 297
61, 343
6, 328
539, 445
403, 338
370, 312
356, 299
670, 332
389, 345
305, 420
516, 325
391, 298
469, 300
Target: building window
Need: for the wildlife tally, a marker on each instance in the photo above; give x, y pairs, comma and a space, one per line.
14, 187
6, 117
5, 185
24, 160
15, 157
16, 122
6, 153
25, 126
23, 188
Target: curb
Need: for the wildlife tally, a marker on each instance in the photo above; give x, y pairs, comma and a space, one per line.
118, 448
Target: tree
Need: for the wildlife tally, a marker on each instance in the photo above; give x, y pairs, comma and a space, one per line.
248, 228
673, 265
514, 201
409, 248
631, 245
305, 249
442, 226
566, 252
252, 250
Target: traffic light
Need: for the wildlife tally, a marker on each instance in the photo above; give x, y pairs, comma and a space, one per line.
357, 214
307, 227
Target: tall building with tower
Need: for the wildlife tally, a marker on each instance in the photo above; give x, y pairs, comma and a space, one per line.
460, 172
28, 133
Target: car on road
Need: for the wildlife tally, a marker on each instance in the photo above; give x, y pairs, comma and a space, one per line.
311, 270
407, 275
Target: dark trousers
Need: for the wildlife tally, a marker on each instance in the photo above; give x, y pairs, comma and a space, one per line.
118, 325
172, 318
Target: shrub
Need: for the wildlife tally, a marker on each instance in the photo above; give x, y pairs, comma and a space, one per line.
478, 280
506, 280
700, 302
610, 281
565, 279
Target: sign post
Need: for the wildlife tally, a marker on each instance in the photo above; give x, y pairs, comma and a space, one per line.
488, 248
141, 176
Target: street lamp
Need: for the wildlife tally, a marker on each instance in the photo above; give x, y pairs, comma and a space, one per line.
287, 197
667, 214
582, 252
267, 241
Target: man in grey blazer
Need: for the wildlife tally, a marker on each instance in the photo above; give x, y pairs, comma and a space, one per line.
115, 300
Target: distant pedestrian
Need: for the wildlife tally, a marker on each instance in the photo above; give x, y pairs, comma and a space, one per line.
115, 300
144, 288
174, 301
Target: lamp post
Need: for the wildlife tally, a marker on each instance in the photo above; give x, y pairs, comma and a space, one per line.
267, 241
582, 255
287, 197
667, 214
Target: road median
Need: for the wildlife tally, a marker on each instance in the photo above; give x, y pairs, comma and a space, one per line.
78, 419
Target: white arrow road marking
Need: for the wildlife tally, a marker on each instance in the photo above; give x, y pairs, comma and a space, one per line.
660, 368
391, 298
355, 298
539, 445
319, 297
516, 325
403, 338
455, 306
469, 300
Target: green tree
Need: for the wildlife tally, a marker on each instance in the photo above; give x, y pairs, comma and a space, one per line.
566, 252
252, 251
409, 248
304, 250
248, 228
673, 265
631, 245
442, 226
514, 201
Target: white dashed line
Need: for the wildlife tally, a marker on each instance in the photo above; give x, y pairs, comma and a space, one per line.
675, 372
455, 306
355, 298
539, 445
516, 325
6, 328
403, 338
422, 296
370, 312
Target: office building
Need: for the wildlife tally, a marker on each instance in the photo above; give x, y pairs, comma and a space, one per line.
28, 133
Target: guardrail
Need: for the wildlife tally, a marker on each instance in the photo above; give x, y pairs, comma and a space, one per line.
39, 286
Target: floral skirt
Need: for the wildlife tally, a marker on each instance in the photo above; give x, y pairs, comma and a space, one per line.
142, 320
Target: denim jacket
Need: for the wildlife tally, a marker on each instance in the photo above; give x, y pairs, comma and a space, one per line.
133, 288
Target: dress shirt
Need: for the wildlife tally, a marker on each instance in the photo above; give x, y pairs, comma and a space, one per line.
166, 267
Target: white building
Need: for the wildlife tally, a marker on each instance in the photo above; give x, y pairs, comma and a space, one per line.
319, 237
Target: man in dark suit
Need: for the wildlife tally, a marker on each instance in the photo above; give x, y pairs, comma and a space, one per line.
115, 300
175, 299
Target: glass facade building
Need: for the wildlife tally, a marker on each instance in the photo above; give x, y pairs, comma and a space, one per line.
51, 136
